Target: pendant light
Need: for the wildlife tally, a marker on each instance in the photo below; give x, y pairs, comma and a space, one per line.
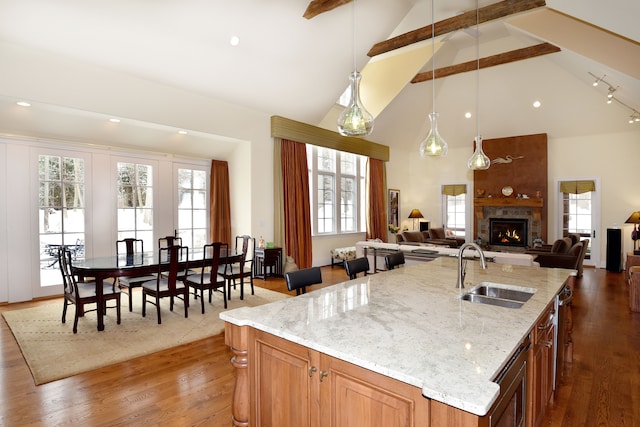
355, 120
433, 145
479, 160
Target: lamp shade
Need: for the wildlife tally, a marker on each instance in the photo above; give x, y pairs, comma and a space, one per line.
633, 219
415, 213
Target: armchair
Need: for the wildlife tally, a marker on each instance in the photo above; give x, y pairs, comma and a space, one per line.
572, 259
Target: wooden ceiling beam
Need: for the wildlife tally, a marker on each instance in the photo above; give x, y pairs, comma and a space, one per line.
465, 20
489, 61
316, 7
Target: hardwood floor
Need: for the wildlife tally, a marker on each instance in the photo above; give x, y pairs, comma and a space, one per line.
191, 385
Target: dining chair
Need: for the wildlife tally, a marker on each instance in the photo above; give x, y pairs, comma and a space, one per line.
243, 268
299, 280
169, 285
394, 260
82, 293
355, 266
130, 247
167, 241
209, 278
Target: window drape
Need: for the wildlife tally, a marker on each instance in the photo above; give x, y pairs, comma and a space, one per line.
577, 187
376, 200
297, 210
219, 203
454, 189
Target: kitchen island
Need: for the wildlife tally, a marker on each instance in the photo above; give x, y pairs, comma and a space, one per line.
408, 325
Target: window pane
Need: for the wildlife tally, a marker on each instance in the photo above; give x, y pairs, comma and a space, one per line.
184, 197
51, 194
184, 219
184, 178
199, 199
199, 218
348, 163
199, 180
326, 160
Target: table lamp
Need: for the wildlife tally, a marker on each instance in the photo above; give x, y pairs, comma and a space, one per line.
635, 234
416, 214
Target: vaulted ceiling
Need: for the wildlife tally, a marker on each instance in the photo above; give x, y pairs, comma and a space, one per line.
297, 67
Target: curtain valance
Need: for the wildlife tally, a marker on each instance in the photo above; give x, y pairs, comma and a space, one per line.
454, 189
577, 187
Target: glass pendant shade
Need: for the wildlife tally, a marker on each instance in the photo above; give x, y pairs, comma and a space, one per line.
355, 120
479, 160
433, 144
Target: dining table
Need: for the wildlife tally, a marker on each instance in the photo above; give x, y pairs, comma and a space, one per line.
102, 268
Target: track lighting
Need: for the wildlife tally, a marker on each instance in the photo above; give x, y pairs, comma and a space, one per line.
635, 115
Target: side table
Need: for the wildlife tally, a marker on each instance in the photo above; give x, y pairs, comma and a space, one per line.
267, 262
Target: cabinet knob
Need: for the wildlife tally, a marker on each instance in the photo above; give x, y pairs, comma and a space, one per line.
323, 374
312, 370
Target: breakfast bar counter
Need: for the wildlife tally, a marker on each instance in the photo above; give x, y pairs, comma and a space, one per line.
408, 324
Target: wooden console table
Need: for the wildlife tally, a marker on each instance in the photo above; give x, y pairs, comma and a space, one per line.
267, 262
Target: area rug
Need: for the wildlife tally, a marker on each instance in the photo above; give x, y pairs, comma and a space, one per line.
53, 351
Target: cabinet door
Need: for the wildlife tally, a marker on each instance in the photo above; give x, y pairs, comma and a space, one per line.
284, 383
352, 396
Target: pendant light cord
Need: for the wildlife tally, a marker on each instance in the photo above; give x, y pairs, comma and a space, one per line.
433, 56
478, 69
355, 65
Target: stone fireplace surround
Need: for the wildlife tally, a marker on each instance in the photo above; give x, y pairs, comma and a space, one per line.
521, 163
522, 212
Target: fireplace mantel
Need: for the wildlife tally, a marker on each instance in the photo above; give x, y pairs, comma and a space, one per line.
480, 203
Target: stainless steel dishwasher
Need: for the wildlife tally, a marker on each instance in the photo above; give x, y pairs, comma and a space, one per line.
563, 341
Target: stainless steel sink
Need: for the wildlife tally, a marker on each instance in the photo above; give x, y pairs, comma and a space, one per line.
499, 294
481, 299
503, 291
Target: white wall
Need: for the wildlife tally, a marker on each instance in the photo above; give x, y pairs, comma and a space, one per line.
612, 158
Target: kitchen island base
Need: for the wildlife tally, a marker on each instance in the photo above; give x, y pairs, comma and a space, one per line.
282, 383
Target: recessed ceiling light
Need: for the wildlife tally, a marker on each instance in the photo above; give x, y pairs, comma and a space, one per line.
23, 104
467, 115
536, 104
114, 120
183, 132
235, 40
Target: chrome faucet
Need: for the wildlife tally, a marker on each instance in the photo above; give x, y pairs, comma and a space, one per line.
462, 266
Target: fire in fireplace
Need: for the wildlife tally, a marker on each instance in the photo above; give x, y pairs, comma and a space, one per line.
508, 231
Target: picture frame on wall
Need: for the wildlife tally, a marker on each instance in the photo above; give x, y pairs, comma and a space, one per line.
394, 207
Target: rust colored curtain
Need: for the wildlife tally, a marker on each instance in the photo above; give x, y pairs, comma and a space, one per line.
219, 203
297, 212
376, 200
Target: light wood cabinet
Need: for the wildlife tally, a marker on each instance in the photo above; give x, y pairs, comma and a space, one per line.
295, 386
541, 366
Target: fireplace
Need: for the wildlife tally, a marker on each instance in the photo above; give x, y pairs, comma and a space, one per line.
508, 231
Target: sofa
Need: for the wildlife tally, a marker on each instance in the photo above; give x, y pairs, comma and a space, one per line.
433, 236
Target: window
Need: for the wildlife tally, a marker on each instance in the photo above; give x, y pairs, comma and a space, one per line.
192, 207
337, 183
454, 206
61, 215
135, 202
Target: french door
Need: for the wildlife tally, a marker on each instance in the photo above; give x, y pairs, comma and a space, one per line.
579, 212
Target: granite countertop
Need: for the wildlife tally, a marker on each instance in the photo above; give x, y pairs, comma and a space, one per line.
411, 325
